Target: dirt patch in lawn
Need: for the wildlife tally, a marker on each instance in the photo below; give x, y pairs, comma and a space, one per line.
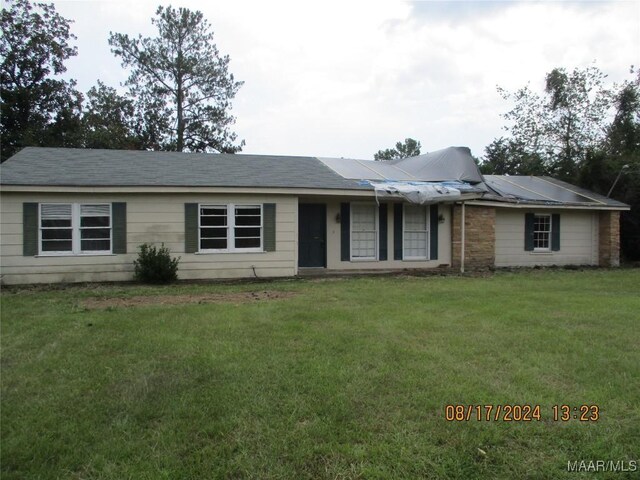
143, 300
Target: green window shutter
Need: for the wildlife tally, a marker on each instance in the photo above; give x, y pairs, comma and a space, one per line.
382, 219
555, 232
191, 233
29, 229
269, 225
433, 232
397, 231
529, 221
119, 231
345, 232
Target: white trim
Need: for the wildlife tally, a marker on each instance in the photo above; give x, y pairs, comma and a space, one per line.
80, 228
462, 237
549, 232
67, 254
230, 227
376, 235
96, 189
76, 232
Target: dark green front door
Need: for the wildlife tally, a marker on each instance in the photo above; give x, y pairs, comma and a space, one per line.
312, 235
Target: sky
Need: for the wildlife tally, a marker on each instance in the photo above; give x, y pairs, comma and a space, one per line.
348, 78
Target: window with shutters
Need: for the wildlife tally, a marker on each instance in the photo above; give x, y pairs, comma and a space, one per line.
230, 228
542, 233
415, 232
364, 231
73, 228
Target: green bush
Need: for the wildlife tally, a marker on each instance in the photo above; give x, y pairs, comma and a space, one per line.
155, 265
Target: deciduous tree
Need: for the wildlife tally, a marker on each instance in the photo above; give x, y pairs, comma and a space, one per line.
565, 122
37, 108
582, 132
505, 156
109, 120
408, 148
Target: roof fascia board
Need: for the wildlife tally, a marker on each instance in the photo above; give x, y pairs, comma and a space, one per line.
229, 190
163, 189
486, 203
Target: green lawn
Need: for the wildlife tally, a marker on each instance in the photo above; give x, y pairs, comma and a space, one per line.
346, 378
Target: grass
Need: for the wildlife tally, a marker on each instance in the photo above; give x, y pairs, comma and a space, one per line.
348, 378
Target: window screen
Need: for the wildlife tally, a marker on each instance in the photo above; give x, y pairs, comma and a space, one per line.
248, 226
213, 227
75, 228
230, 227
363, 231
415, 233
56, 229
95, 228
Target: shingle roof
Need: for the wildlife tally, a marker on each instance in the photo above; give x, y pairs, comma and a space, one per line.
83, 167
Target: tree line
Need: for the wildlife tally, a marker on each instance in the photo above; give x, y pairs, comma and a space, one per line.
580, 131
178, 95
179, 92
577, 130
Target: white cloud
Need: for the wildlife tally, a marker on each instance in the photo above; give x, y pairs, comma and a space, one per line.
349, 78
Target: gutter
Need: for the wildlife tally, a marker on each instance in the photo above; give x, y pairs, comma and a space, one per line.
529, 205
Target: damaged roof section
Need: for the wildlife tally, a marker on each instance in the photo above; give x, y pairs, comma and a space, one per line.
446, 175
424, 193
453, 163
544, 190
450, 174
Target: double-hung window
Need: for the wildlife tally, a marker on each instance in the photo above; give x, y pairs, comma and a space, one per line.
416, 232
214, 228
230, 228
56, 228
74, 228
364, 231
542, 233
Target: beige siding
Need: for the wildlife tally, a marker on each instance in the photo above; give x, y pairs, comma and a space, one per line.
578, 239
333, 244
153, 218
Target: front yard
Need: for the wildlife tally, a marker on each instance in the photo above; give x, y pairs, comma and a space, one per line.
333, 378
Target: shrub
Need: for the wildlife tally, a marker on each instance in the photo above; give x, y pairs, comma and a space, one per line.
155, 265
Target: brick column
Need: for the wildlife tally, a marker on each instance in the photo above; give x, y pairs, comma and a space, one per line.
480, 237
609, 239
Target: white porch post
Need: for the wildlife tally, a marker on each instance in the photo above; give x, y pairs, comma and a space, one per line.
462, 240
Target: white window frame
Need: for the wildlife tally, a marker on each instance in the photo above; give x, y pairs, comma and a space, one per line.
427, 211
76, 240
231, 225
549, 232
375, 236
